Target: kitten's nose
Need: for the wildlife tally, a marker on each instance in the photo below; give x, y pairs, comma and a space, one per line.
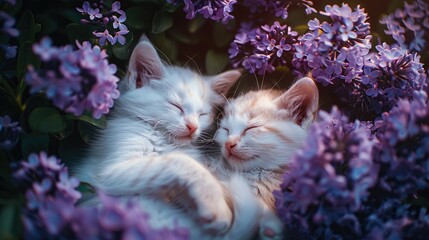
231, 143
192, 126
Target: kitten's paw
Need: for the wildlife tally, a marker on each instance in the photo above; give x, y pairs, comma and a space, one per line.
271, 228
215, 224
213, 211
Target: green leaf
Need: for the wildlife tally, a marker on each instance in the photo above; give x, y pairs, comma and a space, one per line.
215, 61
86, 131
196, 23
101, 123
121, 52
46, 120
70, 14
221, 35
392, 6
67, 131
8, 91
301, 29
171, 7
34, 143
161, 22
167, 48
26, 27
49, 25
137, 18
183, 37
37, 27
10, 221
13, 9
70, 149
86, 188
80, 32
25, 58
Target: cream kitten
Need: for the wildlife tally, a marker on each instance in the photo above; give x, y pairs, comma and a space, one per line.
259, 133
146, 152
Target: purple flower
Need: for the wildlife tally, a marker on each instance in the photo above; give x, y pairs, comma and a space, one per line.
44, 175
355, 181
336, 53
9, 133
116, 7
390, 74
8, 30
117, 22
217, 10
261, 49
403, 157
403, 149
329, 180
103, 36
7, 22
50, 211
85, 8
280, 8
119, 37
75, 80
93, 13
409, 26
102, 19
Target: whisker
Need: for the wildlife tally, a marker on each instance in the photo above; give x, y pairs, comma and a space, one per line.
238, 85
163, 54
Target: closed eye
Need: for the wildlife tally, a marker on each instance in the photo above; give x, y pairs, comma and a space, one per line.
226, 129
177, 106
203, 114
250, 128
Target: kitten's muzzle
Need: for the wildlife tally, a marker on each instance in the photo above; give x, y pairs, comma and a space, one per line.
231, 143
231, 146
192, 127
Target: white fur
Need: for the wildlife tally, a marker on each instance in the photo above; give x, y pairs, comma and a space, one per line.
265, 129
145, 151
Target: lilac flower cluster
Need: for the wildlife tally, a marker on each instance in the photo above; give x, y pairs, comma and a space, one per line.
333, 51
403, 160
259, 50
50, 212
347, 183
8, 30
115, 16
409, 26
217, 10
329, 180
337, 53
9, 133
280, 8
388, 75
404, 148
75, 80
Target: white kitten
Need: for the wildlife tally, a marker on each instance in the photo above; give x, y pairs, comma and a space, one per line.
259, 133
146, 152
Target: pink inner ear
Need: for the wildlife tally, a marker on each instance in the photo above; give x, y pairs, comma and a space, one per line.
223, 82
301, 100
145, 64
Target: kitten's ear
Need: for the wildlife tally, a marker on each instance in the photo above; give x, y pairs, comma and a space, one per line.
144, 65
222, 82
301, 101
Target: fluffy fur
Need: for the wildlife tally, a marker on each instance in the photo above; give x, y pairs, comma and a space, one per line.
145, 152
258, 134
